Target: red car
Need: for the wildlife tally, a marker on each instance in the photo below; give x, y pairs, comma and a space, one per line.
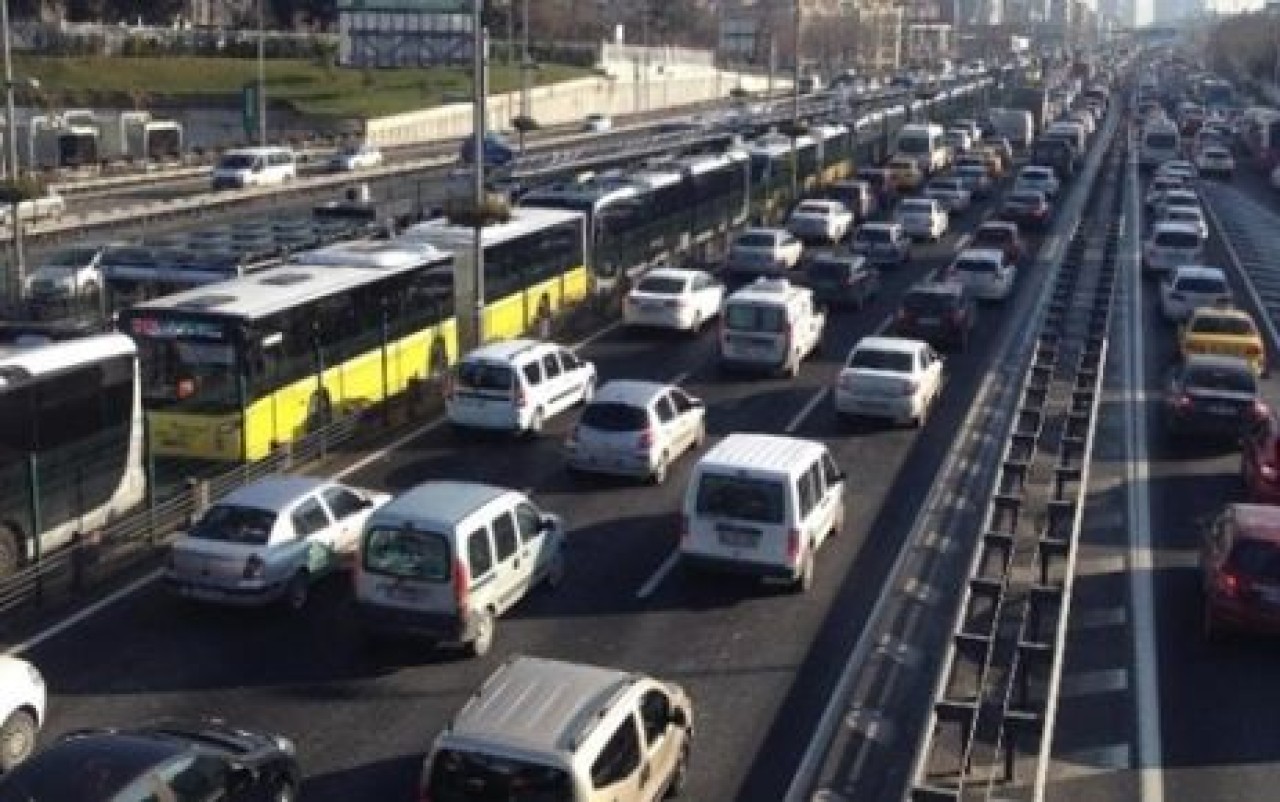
1260, 461
1240, 566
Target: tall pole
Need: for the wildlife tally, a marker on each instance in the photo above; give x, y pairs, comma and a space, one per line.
480, 92
795, 105
525, 106
12, 169
262, 74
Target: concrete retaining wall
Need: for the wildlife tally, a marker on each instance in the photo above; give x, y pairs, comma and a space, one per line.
567, 102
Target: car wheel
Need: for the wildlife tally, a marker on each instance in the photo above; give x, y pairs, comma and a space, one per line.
17, 739
535, 423
700, 437
804, 582
556, 570
483, 641
659, 474
588, 392
297, 591
286, 792
679, 775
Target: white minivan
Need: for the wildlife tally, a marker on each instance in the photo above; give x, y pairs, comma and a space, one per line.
255, 167
762, 505
443, 560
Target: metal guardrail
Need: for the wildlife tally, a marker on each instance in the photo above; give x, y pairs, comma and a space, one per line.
997, 689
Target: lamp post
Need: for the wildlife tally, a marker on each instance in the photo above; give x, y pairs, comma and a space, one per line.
480, 46
13, 169
795, 104
262, 74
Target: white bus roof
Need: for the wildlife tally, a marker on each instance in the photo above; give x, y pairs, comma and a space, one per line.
370, 253
17, 362
453, 238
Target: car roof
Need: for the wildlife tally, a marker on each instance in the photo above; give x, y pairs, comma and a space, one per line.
987, 254
1175, 225
1217, 311
1198, 271
904, 345
681, 273
539, 704
438, 502
629, 392
999, 225
1257, 521
504, 350
1218, 362
273, 492
766, 452
91, 765
880, 226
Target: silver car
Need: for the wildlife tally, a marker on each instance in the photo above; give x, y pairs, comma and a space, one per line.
268, 541
636, 428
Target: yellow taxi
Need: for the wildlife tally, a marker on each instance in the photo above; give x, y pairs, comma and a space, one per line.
1224, 331
907, 176
994, 160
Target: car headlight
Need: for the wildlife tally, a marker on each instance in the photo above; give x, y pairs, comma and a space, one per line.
285, 745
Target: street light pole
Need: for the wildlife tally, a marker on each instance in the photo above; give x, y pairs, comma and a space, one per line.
262, 74
795, 105
525, 110
480, 91
12, 169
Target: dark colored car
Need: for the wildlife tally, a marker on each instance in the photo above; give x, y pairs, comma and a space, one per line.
1260, 460
205, 761
1030, 210
1056, 153
842, 280
941, 313
858, 196
1240, 570
1001, 235
1212, 396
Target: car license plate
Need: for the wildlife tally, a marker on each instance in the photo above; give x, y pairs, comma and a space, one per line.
736, 539
930, 321
1221, 409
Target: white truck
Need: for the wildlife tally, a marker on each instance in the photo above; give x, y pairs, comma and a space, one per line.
1016, 125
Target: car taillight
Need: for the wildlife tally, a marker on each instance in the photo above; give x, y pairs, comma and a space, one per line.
461, 587
1253, 350
645, 441
1230, 584
1268, 471
1259, 409
905, 315
520, 398
793, 545
254, 567
908, 387
1184, 402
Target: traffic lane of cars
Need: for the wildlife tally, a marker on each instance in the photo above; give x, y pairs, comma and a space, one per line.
275, 672
1210, 695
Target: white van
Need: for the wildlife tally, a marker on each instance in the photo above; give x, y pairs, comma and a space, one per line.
443, 560
1160, 143
517, 386
255, 167
770, 324
762, 504
926, 145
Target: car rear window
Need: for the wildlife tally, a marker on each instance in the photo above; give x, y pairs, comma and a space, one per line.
614, 417
879, 359
917, 207
1028, 198
1256, 559
926, 302
813, 208
458, 776
484, 376
992, 236
1177, 239
873, 235
232, 523
1201, 286
661, 285
743, 498
755, 240
753, 317
828, 268
1222, 324
975, 265
406, 553
1207, 377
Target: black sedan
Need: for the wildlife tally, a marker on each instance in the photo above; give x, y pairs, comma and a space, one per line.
202, 761
842, 280
942, 313
1211, 396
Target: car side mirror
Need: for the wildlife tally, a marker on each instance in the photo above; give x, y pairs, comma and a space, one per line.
679, 718
547, 523
839, 476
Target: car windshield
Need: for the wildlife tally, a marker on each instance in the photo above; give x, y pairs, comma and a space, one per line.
1223, 324
992, 236
232, 523
236, 161
406, 553
70, 257
814, 208
753, 317
975, 265
1028, 198
873, 235
458, 776
1036, 175
928, 302
484, 376
755, 241
1201, 285
1213, 377
879, 359
613, 417
917, 207
1177, 239
1256, 559
741, 497
1162, 140
661, 285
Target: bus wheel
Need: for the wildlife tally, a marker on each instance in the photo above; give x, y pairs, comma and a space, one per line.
10, 552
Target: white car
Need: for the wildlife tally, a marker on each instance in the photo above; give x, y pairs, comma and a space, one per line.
22, 702
1159, 186
1193, 287
1178, 168
270, 541
673, 298
517, 386
636, 428
1192, 215
1035, 178
889, 377
350, 158
767, 249
825, 220
597, 124
1216, 161
1170, 246
984, 272
922, 218
71, 272
1180, 197
950, 193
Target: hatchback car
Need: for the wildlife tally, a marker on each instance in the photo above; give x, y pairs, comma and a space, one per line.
950, 193
1036, 178
764, 249
22, 703
1030, 209
842, 280
1171, 245
939, 312
673, 298
1193, 287
204, 760
882, 243
1212, 396
1240, 571
1159, 186
889, 377
517, 386
976, 178
269, 541
984, 272
1191, 215
1175, 198
1216, 162
1228, 332
636, 428
999, 234
820, 220
922, 218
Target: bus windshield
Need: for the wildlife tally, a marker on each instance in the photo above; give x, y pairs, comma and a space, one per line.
187, 363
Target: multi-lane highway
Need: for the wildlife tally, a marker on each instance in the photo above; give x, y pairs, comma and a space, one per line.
760, 664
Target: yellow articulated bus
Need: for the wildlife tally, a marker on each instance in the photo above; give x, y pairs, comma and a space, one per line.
232, 370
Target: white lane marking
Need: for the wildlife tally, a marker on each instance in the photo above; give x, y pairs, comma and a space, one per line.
81, 615
1092, 683
1146, 666
806, 410
652, 583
